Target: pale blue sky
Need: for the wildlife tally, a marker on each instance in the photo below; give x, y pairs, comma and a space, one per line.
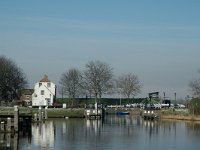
158, 40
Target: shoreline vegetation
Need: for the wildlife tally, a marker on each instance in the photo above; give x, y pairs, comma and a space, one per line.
179, 115
172, 114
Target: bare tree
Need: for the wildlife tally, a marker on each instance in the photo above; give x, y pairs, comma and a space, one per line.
194, 104
128, 84
195, 87
70, 82
12, 79
98, 78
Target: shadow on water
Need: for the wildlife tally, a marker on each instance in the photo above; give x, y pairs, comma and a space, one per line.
10, 141
115, 132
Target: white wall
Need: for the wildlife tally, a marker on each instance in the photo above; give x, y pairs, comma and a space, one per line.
47, 98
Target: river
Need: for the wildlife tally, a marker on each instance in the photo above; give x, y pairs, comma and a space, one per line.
114, 133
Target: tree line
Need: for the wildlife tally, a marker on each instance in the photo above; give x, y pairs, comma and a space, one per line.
95, 80
12, 79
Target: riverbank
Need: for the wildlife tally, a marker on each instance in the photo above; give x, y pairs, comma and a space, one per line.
180, 117
52, 112
178, 114
173, 114
62, 113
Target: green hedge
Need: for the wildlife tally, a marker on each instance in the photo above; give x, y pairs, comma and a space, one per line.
104, 101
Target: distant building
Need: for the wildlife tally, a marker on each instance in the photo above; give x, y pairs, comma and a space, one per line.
26, 97
44, 92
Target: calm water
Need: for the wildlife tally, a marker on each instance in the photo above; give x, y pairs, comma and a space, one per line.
115, 133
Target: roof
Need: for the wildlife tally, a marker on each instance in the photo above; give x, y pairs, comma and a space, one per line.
45, 79
27, 91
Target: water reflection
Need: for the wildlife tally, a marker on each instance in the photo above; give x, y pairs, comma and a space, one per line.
10, 141
43, 134
115, 132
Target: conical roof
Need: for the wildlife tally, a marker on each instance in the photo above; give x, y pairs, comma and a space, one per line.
45, 79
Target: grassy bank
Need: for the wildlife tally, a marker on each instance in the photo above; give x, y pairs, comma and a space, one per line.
52, 112
60, 113
176, 114
182, 114
178, 117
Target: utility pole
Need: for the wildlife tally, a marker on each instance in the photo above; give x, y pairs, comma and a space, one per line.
164, 95
120, 98
62, 95
175, 97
